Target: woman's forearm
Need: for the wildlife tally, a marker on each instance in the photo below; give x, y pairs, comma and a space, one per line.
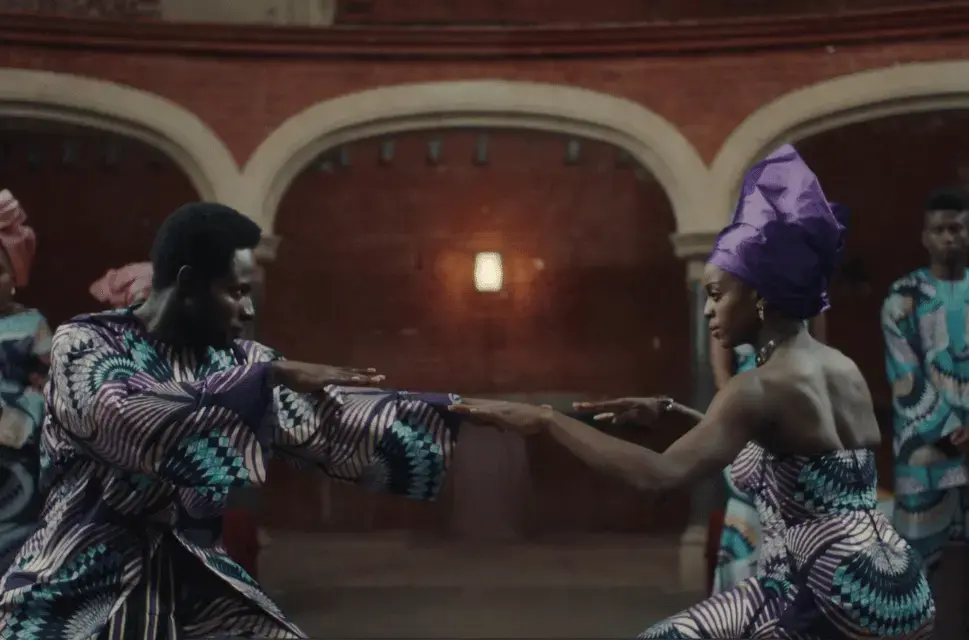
636, 465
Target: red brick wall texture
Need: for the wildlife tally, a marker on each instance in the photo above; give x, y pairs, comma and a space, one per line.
369, 272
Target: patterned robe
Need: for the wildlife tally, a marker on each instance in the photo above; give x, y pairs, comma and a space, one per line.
143, 443
24, 360
924, 321
830, 566
737, 557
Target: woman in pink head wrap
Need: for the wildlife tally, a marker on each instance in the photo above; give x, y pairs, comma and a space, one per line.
25, 343
799, 430
129, 285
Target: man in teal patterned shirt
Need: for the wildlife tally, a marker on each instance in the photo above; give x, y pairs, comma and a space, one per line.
924, 321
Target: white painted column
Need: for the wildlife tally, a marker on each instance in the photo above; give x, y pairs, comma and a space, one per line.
249, 498
707, 496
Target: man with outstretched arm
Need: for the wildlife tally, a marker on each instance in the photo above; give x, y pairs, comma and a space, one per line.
155, 412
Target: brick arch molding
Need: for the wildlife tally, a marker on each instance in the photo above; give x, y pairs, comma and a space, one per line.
126, 111
838, 102
647, 137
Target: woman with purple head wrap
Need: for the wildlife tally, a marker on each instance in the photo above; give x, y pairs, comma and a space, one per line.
799, 430
785, 238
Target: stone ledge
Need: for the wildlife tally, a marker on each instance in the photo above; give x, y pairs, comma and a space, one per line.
693, 246
679, 38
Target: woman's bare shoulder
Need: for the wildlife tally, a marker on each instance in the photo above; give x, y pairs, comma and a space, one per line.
803, 371
848, 387
839, 366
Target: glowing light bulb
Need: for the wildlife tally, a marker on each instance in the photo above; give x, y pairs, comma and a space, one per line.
489, 275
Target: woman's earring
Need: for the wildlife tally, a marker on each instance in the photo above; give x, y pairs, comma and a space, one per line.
13, 291
760, 310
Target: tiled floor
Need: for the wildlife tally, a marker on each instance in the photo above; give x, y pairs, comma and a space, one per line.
392, 586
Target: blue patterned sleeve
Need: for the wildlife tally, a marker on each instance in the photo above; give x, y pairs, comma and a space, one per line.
917, 406
207, 433
396, 442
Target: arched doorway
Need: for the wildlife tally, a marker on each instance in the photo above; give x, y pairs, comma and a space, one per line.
648, 138
872, 138
883, 169
95, 199
649, 141
835, 103
133, 113
380, 236
97, 165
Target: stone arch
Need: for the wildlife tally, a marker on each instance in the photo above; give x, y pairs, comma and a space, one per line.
830, 104
647, 137
130, 112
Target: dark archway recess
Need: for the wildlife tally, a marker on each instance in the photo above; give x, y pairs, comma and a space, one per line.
95, 200
883, 170
379, 240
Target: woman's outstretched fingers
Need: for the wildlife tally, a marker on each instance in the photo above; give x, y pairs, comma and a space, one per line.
603, 406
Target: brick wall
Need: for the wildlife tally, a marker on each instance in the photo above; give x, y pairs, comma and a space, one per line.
376, 270
244, 99
547, 206
495, 11
95, 201
584, 11
73, 191
386, 254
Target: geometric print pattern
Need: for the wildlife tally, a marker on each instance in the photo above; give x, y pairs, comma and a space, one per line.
141, 444
25, 343
924, 322
737, 555
830, 564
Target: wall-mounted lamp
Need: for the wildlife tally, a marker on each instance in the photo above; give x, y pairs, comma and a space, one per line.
489, 276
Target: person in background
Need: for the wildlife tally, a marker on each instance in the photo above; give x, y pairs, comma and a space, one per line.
242, 539
924, 321
737, 552
155, 412
25, 342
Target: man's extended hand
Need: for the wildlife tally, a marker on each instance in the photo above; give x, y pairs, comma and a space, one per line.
305, 377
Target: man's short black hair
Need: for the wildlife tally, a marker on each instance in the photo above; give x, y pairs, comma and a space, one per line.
204, 236
951, 199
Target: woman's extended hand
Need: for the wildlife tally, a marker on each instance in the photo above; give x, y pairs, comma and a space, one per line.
641, 412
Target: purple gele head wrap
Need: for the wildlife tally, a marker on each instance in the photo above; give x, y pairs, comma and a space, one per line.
785, 238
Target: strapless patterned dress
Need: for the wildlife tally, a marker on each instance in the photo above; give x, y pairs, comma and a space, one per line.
831, 566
